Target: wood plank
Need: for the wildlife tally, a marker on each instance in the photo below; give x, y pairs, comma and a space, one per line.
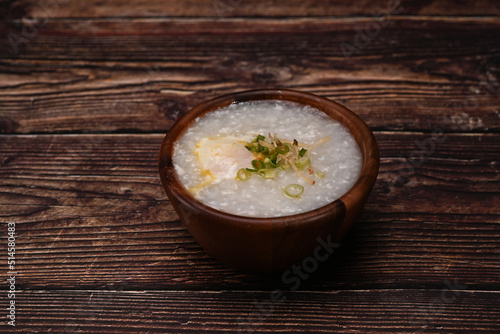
142, 75
88, 205
444, 310
87, 91
240, 8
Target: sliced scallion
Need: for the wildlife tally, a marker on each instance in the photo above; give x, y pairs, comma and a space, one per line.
273, 160
262, 149
260, 137
282, 149
251, 148
257, 164
243, 174
302, 163
267, 173
294, 190
284, 165
273, 156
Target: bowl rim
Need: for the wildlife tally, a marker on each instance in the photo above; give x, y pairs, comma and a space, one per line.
367, 144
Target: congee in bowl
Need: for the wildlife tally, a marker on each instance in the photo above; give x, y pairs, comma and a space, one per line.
263, 178
267, 158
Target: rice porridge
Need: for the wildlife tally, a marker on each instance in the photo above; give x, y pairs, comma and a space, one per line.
267, 159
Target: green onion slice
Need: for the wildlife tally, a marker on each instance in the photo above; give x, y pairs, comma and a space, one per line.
302, 163
251, 148
274, 165
257, 164
260, 137
273, 161
263, 149
320, 174
302, 152
282, 149
294, 190
267, 173
243, 174
284, 166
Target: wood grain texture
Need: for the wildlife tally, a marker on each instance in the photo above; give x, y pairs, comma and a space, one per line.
142, 75
240, 8
88, 89
444, 310
88, 205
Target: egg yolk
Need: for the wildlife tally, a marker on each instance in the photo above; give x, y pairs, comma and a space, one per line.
220, 159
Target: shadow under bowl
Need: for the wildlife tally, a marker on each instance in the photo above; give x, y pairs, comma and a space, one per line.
270, 245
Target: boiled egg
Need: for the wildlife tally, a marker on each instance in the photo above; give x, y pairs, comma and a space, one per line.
221, 158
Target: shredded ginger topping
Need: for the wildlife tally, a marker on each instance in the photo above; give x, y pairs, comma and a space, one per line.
272, 155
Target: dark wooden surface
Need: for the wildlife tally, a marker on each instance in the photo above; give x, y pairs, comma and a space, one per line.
88, 90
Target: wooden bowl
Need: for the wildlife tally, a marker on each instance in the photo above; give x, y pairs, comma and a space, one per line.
270, 245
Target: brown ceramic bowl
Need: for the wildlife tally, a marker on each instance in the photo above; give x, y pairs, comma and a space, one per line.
269, 245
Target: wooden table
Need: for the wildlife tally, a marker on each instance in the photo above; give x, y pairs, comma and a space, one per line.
89, 88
